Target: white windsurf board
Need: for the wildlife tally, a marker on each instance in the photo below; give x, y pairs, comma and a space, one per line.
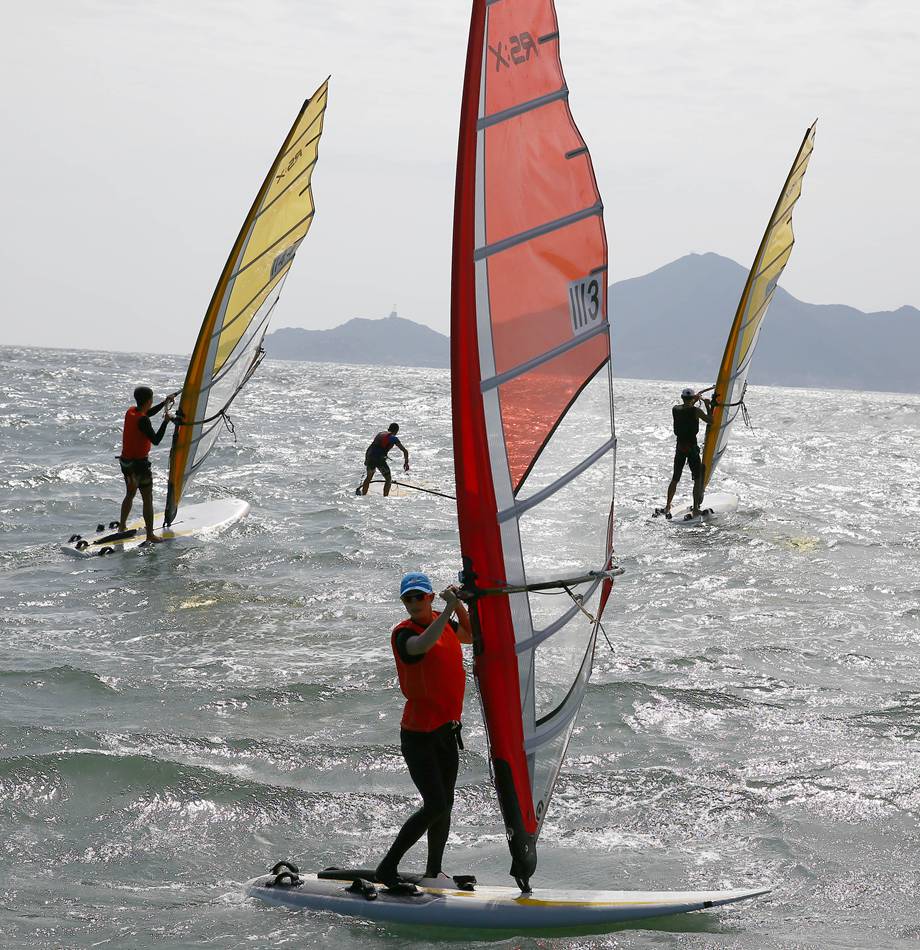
407, 489
716, 505
192, 520
488, 906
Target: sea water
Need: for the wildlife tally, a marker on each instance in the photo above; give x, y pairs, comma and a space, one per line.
174, 720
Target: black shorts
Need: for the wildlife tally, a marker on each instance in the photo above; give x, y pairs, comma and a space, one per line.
372, 461
137, 469
689, 456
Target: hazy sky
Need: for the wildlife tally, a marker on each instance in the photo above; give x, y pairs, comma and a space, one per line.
136, 134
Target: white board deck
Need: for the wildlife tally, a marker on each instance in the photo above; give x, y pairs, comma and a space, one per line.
716, 505
490, 906
192, 520
420, 489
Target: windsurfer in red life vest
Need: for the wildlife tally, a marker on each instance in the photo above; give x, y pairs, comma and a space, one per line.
137, 438
429, 662
376, 458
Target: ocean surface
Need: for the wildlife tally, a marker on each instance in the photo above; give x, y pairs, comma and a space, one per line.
174, 720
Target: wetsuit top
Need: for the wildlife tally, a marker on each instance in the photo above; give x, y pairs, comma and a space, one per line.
138, 436
433, 682
383, 442
686, 426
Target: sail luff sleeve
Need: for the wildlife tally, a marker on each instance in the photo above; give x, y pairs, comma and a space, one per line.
758, 288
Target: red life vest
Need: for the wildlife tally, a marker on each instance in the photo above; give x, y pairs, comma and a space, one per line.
433, 685
134, 444
383, 442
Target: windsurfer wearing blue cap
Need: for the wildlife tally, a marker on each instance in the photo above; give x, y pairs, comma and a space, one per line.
429, 661
687, 416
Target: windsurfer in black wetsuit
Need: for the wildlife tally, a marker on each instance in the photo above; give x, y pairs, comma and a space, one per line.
687, 418
375, 459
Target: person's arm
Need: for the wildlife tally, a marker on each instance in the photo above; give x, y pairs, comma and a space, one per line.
707, 415
146, 426
405, 453
168, 401
465, 633
423, 642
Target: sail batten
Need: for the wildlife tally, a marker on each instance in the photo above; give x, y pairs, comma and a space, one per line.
229, 343
529, 338
536, 361
522, 107
759, 289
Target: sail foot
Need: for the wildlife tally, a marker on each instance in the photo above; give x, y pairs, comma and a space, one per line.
522, 844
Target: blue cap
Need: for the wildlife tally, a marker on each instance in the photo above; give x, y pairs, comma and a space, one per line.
415, 581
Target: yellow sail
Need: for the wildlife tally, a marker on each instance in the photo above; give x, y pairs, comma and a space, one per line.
229, 345
774, 252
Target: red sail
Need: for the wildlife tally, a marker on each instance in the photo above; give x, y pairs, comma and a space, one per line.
529, 332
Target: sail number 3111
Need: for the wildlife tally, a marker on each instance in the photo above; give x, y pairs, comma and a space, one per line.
585, 304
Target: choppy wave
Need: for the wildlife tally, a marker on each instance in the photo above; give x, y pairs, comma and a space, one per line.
173, 721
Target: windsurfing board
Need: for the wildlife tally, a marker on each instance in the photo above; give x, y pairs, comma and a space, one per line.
406, 489
715, 505
485, 906
192, 520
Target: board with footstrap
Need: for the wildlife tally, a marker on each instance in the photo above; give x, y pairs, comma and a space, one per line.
462, 902
194, 520
716, 505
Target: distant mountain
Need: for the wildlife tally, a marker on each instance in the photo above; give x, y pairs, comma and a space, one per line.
672, 324
392, 341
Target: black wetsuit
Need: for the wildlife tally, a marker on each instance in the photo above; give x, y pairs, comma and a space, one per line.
433, 760
687, 452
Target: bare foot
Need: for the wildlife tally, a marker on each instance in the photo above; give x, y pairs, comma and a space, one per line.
153, 539
122, 527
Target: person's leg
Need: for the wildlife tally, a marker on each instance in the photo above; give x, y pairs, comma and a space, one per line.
147, 496
387, 477
672, 487
130, 492
679, 459
366, 484
696, 470
421, 759
448, 758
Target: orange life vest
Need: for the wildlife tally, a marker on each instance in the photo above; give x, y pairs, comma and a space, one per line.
134, 444
433, 685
